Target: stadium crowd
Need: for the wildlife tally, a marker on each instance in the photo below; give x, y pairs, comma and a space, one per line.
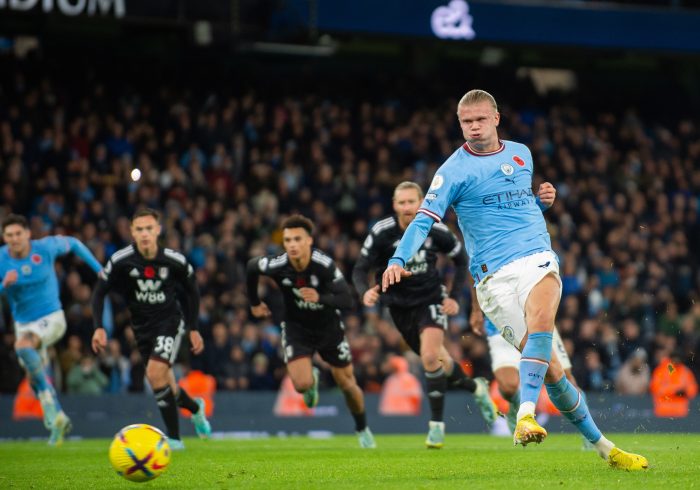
226, 168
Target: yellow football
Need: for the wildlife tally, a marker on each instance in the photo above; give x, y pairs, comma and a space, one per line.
139, 452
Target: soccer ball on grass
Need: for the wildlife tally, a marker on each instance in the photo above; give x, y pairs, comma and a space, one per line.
139, 452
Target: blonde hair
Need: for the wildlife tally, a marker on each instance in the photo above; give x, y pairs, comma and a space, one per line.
475, 96
407, 184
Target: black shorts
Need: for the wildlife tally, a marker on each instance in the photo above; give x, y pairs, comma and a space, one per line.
411, 321
161, 342
328, 340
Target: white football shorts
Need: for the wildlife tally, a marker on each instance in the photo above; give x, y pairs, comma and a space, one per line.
502, 295
49, 328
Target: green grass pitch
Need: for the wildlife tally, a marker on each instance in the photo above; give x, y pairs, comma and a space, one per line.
466, 461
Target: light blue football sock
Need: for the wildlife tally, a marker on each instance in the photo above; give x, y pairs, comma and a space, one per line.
572, 405
37, 375
533, 366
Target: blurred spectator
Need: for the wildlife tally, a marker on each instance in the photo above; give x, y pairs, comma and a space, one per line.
86, 378
673, 385
634, 376
116, 367
402, 392
236, 371
260, 376
591, 375
71, 356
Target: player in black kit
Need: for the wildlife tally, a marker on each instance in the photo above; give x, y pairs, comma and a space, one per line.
314, 290
158, 285
419, 305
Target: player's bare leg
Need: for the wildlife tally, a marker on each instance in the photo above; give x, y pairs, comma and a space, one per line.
27, 347
355, 400
304, 377
159, 375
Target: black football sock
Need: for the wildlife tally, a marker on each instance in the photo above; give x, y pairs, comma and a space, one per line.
184, 400
168, 410
458, 380
437, 385
360, 421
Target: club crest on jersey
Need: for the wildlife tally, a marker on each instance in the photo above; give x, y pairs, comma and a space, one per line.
507, 169
163, 273
36, 259
314, 281
518, 160
26, 269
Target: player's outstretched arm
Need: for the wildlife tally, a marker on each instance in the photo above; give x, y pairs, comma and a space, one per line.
99, 337
412, 239
257, 307
191, 300
366, 263
79, 249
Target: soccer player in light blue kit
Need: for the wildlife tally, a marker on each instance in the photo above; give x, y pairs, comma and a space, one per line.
488, 183
29, 281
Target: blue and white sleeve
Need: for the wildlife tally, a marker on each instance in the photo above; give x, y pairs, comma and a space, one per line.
69, 244
412, 239
439, 198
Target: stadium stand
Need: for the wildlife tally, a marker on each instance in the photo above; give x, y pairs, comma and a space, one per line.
226, 161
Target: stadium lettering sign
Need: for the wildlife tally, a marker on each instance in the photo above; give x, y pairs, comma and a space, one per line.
453, 21
70, 7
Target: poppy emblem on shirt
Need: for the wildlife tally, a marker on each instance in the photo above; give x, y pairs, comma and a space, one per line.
300, 282
519, 160
507, 168
36, 259
149, 272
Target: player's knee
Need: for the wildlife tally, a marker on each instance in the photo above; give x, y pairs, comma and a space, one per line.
508, 389
345, 381
541, 318
27, 341
303, 385
508, 382
157, 373
431, 360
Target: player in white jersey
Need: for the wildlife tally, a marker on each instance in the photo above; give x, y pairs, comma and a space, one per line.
488, 183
